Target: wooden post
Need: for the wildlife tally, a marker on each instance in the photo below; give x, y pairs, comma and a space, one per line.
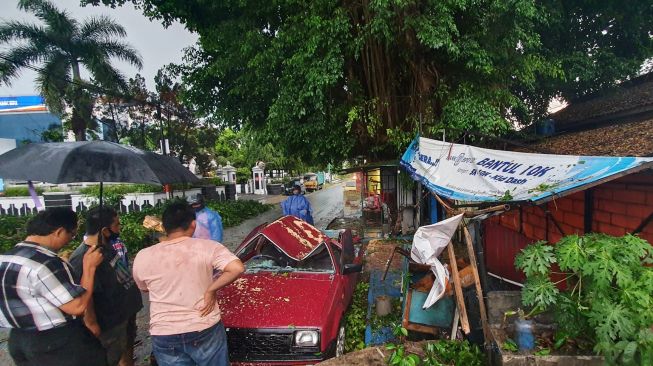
477, 282
460, 300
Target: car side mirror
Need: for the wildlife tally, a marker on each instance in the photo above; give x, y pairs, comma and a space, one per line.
352, 268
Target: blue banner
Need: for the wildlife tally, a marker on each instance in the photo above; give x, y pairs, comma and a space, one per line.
29, 103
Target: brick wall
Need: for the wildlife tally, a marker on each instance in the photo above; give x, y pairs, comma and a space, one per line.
619, 207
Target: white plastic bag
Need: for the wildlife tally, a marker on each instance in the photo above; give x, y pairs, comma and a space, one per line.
428, 244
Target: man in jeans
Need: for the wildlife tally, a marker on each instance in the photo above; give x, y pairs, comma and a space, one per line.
116, 300
41, 300
178, 275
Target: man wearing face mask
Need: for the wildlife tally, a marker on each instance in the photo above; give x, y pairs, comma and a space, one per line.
209, 222
116, 299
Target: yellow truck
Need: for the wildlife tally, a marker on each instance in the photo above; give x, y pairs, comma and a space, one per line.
313, 182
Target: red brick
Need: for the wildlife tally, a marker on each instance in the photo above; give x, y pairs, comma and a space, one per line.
563, 204
637, 178
527, 230
537, 220
558, 215
510, 221
615, 186
612, 206
641, 211
566, 229
611, 229
627, 222
577, 196
639, 187
603, 193
575, 220
649, 198
630, 196
579, 207
539, 233
602, 216
554, 237
647, 236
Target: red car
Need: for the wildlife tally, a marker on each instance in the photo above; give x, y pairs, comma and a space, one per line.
288, 307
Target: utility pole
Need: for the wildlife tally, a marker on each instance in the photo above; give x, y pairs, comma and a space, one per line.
166, 188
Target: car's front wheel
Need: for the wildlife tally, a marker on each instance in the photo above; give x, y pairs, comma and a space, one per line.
340, 341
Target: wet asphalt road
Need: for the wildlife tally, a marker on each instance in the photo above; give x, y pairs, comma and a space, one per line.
326, 203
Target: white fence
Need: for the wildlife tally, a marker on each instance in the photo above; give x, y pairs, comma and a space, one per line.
244, 188
21, 206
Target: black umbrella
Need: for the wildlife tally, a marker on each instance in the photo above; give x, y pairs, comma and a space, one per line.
91, 161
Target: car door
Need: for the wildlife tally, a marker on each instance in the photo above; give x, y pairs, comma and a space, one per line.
347, 256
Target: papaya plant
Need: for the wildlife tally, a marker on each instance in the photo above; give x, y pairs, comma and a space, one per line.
608, 292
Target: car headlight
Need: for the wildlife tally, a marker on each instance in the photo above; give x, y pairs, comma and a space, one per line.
306, 338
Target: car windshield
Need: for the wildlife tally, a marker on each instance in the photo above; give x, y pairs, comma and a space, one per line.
268, 257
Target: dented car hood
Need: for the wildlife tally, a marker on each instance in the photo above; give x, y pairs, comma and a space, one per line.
295, 237
268, 300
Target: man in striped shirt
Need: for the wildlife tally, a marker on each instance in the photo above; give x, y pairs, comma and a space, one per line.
41, 300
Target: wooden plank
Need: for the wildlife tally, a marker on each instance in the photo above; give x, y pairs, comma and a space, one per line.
460, 300
454, 326
452, 211
405, 322
477, 282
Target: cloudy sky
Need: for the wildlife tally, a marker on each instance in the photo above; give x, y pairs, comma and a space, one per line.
158, 45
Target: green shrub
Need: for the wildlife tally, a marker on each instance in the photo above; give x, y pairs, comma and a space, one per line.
20, 191
132, 231
120, 189
12, 231
243, 175
447, 352
356, 319
608, 297
214, 180
235, 212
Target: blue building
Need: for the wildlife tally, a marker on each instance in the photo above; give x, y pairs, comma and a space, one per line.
25, 118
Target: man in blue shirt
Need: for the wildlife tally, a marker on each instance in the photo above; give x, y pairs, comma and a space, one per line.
209, 222
298, 206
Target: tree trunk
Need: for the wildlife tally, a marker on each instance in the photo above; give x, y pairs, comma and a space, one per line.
77, 121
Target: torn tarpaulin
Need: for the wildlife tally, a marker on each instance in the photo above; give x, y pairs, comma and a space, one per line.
428, 244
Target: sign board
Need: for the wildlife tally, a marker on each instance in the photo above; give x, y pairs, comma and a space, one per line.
468, 173
29, 103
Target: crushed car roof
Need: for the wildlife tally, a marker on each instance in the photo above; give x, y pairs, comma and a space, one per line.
295, 237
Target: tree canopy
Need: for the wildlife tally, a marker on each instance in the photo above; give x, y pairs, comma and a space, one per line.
326, 80
59, 46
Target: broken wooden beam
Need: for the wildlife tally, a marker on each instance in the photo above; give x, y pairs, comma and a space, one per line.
458, 289
477, 282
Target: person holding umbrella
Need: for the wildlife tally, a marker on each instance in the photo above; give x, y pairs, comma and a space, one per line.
41, 299
111, 316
